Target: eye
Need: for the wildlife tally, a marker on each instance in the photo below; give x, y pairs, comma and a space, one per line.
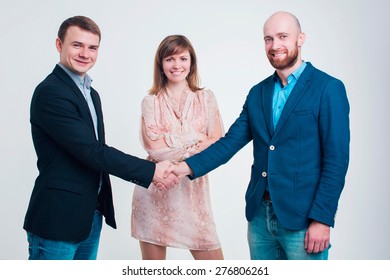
94, 48
76, 45
267, 40
184, 58
168, 59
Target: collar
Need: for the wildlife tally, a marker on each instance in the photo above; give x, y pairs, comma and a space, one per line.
79, 80
294, 75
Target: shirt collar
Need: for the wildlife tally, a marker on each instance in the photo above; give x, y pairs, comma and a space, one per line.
294, 75
79, 81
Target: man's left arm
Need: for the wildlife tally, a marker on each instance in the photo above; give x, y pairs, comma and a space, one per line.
335, 137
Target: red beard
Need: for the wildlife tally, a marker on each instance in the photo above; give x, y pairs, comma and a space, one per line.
287, 62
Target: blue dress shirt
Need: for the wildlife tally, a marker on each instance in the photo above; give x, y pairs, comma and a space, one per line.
281, 93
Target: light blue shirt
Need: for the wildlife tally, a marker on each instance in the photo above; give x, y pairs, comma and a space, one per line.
84, 84
281, 93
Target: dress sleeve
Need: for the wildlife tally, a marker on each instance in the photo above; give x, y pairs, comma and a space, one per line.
213, 114
148, 109
151, 116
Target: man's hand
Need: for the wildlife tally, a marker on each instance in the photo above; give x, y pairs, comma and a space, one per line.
317, 237
180, 170
161, 181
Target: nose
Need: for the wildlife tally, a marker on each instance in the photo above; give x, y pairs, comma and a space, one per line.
84, 52
276, 44
177, 64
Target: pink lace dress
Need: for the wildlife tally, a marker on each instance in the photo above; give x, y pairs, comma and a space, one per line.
182, 216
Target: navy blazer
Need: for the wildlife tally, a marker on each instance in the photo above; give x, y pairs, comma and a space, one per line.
303, 160
71, 162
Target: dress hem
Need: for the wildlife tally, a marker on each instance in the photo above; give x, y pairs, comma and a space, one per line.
178, 246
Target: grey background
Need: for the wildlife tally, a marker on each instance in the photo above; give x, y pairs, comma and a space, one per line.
348, 39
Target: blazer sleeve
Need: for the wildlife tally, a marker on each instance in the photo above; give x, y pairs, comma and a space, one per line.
58, 114
238, 135
335, 138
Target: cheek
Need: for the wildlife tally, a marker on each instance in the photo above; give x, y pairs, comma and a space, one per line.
165, 67
188, 66
166, 71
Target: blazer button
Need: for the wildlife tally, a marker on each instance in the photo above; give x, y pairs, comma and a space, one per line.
264, 174
272, 147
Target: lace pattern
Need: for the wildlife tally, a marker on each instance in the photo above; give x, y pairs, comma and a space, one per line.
182, 216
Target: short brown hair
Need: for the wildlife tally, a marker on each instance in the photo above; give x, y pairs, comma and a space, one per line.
80, 21
174, 44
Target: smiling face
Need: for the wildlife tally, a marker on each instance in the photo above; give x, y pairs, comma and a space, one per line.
176, 67
79, 50
283, 40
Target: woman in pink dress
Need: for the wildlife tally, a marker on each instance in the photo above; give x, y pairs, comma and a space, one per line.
179, 119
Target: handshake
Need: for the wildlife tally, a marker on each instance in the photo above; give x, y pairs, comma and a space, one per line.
168, 174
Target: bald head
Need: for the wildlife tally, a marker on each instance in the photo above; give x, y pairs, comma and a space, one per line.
283, 40
284, 19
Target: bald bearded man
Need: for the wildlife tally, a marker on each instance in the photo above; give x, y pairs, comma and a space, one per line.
298, 122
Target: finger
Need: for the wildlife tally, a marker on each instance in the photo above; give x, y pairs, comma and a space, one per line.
168, 171
310, 246
174, 179
326, 244
160, 186
306, 240
316, 248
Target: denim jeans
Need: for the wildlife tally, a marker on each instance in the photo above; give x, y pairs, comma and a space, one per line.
269, 240
46, 249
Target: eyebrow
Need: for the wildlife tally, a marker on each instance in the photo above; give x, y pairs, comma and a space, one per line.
277, 34
81, 43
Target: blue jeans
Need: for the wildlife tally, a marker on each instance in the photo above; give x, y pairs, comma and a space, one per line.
269, 240
46, 249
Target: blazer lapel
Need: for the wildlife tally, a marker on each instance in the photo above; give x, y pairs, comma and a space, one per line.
68, 80
267, 103
298, 92
95, 98
99, 114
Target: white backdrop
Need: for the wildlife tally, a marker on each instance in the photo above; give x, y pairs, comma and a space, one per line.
348, 39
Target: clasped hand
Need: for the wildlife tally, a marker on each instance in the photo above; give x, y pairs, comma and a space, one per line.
168, 175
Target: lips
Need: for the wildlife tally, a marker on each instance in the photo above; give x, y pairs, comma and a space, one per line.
176, 73
83, 63
278, 54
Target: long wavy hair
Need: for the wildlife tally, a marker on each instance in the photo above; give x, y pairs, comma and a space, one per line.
174, 44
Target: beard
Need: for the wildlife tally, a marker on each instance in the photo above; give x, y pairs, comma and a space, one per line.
287, 62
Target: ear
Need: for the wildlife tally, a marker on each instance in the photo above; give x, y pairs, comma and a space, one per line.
301, 39
58, 45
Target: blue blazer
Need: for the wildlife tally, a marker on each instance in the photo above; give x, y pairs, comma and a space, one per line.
71, 162
303, 160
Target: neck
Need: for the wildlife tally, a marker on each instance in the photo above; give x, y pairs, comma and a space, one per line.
284, 73
176, 88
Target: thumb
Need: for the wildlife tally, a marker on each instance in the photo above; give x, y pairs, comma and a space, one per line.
168, 171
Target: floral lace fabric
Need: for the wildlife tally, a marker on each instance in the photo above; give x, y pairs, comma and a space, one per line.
181, 216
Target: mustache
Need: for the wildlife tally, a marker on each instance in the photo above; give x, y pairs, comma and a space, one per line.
271, 52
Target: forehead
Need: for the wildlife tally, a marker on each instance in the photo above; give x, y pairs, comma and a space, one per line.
75, 33
280, 24
179, 52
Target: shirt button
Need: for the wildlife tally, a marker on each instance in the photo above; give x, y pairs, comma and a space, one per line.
264, 174
272, 147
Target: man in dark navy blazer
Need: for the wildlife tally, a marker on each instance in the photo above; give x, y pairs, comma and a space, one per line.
72, 191
298, 120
